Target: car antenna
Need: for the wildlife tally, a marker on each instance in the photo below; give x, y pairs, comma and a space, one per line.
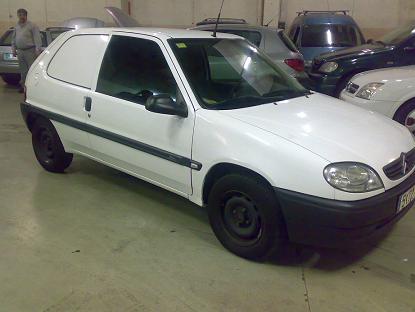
217, 21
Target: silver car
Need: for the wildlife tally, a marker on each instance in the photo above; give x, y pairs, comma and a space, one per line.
274, 42
9, 65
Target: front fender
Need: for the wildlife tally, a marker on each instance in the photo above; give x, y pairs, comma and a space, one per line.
286, 165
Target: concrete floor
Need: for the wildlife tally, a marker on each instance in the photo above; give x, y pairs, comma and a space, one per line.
95, 239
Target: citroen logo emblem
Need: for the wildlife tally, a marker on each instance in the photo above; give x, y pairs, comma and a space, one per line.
404, 165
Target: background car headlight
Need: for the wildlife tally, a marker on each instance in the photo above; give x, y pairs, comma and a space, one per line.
352, 177
369, 90
328, 67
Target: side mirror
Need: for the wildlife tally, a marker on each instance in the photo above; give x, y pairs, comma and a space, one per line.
369, 41
409, 49
164, 104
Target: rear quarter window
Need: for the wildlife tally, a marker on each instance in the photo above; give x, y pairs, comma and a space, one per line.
76, 61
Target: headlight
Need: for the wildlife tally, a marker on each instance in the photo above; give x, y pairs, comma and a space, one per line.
369, 90
352, 177
328, 67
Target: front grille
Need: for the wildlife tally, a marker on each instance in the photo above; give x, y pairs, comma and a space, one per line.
401, 166
352, 87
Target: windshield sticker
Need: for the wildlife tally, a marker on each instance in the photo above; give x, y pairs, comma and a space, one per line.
181, 45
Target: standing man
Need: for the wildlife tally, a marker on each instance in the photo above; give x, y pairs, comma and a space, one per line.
26, 44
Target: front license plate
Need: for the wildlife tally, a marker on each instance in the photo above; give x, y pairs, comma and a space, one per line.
9, 57
406, 199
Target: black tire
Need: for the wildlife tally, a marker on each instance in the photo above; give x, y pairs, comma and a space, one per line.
403, 112
48, 147
245, 216
11, 79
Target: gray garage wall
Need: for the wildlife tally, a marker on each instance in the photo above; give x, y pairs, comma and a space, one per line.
53, 12
374, 16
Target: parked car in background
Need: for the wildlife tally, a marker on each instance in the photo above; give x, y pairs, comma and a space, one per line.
234, 133
316, 32
390, 92
83, 22
331, 72
9, 65
274, 42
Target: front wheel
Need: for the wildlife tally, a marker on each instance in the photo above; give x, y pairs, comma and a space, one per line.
48, 147
406, 115
245, 216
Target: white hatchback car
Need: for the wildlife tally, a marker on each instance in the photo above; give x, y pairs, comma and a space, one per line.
216, 121
389, 91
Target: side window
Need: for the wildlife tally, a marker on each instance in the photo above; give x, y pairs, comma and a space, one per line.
296, 34
44, 40
133, 69
252, 36
76, 60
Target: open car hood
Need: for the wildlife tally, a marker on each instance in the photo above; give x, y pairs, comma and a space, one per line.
120, 18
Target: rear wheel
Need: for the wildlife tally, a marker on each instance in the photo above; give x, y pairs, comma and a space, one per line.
48, 147
245, 216
11, 79
406, 115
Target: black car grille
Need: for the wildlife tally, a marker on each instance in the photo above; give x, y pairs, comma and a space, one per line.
352, 87
401, 166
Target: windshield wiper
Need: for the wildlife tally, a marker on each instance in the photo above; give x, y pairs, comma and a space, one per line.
241, 102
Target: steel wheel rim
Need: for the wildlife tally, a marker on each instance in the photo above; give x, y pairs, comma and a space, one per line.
241, 217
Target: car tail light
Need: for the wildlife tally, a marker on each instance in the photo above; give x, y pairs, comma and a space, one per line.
295, 64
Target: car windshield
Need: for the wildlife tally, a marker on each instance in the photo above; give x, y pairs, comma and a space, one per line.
6, 39
398, 35
232, 73
331, 35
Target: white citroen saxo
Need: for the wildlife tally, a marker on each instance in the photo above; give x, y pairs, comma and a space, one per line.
216, 121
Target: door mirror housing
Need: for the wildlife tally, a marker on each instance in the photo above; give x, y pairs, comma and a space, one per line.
409, 49
369, 41
164, 104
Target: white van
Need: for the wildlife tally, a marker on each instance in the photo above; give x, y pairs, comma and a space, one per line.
214, 120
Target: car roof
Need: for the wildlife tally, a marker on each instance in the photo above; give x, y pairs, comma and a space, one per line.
324, 18
162, 33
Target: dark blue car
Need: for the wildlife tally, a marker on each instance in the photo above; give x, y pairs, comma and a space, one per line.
316, 32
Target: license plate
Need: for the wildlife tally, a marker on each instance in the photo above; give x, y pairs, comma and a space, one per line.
406, 199
9, 57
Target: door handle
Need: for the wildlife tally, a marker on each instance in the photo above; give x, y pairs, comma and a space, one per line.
88, 104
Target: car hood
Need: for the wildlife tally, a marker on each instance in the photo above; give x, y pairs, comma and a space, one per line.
387, 75
366, 49
312, 52
120, 18
333, 129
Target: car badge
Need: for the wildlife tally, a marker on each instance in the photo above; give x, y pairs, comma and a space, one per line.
404, 163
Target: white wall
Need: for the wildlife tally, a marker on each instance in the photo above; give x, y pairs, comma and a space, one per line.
184, 13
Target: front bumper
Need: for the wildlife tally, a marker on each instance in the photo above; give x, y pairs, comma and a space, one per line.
332, 223
7, 67
323, 83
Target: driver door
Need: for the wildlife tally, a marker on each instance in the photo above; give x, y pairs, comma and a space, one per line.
149, 145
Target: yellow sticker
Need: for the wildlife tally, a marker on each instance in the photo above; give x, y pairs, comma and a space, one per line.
181, 45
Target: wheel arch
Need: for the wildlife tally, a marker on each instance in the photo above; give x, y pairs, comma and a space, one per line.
404, 102
224, 168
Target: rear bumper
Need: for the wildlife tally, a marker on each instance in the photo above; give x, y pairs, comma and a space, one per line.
331, 223
9, 68
323, 83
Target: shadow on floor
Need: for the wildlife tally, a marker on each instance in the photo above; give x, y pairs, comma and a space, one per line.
101, 178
